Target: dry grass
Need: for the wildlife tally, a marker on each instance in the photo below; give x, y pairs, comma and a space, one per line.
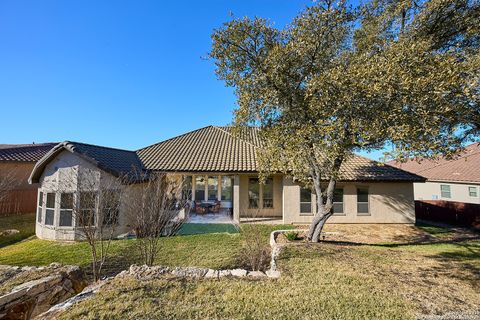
332, 280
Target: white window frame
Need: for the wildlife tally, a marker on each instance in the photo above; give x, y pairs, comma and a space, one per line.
470, 192
50, 208
368, 213
40, 204
60, 210
342, 203
449, 191
310, 213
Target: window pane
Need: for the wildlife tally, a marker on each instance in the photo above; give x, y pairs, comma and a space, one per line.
40, 199
305, 195
199, 188
305, 207
39, 214
212, 188
362, 195
338, 207
187, 188
268, 194
50, 200
65, 218
253, 192
88, 200
445, 191
66, 201
227, 188
472, 191
86, 217
362, 207
338, 195
49, 217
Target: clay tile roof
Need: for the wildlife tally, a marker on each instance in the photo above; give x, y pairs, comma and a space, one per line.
115, 161
24, 152
463, 168
219, 149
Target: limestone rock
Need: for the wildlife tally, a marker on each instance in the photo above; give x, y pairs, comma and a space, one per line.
239, 272
274, 274
256, 274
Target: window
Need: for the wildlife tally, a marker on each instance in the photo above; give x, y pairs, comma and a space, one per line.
362, 201
40, 207
50, 209
305, 201
88, 204
445, 191
212, 188
253, 193
66, 209
268, 193
187, 188
110, 207
227, 188
472, 192
199, 188
338, 202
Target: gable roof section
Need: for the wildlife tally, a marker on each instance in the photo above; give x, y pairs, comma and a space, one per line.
220, 149
463, 168
117, 162
24, 152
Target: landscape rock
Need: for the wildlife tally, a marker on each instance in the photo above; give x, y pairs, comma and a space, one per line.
256, 274
189, 272
274, 274
211, 273
224, 273
34, 297
239, 272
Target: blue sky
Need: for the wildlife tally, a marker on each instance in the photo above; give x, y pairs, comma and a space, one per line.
123, 74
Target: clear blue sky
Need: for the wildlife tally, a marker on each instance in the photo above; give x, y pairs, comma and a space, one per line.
123, 74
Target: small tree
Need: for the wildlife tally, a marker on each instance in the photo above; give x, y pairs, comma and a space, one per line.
95, 205
340, 79
156, 209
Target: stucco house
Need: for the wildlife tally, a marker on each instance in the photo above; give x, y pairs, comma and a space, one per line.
16, 163
220, 170
451, 192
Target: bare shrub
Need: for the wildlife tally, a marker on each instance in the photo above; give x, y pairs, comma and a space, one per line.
156, 209
94, 200
255, 252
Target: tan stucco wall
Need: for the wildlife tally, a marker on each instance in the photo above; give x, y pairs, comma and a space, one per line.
61, 175
276, 211
459, 192
389, 203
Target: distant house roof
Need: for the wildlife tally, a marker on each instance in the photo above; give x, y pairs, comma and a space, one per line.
464, 168
219, 149
115, 161
24, 152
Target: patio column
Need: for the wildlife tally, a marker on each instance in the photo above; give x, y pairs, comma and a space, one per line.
236, 199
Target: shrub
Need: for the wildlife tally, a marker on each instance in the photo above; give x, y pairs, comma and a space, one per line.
255, 252
292, 235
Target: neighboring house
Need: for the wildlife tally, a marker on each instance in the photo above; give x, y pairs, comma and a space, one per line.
16, 162
221, 167
451, 192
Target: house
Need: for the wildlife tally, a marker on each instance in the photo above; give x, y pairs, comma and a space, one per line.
451, 192
16, 163
221, 167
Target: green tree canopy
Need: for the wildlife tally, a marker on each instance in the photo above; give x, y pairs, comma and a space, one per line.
340, 79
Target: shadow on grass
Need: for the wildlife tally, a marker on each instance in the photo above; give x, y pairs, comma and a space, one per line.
203, 228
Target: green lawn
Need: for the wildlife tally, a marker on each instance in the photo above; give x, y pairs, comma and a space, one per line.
326, 280
24, 223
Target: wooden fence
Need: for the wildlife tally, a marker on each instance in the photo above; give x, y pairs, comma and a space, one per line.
19, 201
450, 212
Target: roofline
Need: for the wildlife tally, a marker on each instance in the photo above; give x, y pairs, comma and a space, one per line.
65, 146
454, 181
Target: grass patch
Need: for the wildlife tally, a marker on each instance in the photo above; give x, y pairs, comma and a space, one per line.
434, 230
24, 223
202, 228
